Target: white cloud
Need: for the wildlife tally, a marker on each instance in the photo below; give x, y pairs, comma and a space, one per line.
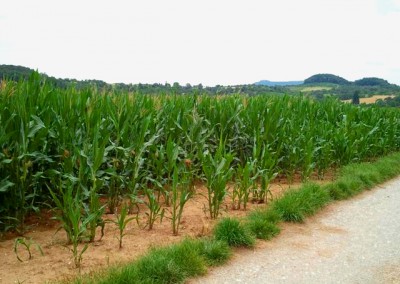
213, 42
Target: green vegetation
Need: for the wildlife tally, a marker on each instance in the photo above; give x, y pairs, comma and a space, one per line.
125, 147
234, 233
326, 78
180, 195
217, 171
296, 205
121, 222
27, 244
322, 85
84, 151
17, 73
389, 102
357, 177
262, 228
317, 86
214, 252
172, 264
371, 82
190, 257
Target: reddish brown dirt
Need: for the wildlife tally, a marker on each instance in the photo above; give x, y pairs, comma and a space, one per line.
57, 262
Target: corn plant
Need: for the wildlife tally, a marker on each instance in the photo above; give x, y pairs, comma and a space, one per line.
27, 245
67, 202
122, 221
266, 170
180, 195
172, 152
155, 210
115, 179
115, 144
73, 221
244, 182
91, 160
137, 159
217, 171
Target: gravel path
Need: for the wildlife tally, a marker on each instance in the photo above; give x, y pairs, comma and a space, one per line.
353, 241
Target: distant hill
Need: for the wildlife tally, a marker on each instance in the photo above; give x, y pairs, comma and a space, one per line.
278, 83
326, 78
14, 73
372, 81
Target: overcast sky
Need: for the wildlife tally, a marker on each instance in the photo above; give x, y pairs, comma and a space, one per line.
208, 41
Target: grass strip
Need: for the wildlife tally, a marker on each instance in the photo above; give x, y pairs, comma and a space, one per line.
296, 205
190, 258
355, 178
171, 264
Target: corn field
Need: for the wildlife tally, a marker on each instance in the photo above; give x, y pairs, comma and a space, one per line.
96, 146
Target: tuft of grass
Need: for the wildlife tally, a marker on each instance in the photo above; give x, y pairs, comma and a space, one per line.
213, 251
172, 264
295, 205
344, 187
231, 231
268, 215
263, 223
263, 229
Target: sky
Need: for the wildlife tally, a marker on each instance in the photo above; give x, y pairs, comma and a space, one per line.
213, 42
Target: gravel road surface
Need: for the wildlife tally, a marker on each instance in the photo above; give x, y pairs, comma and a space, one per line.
352, 241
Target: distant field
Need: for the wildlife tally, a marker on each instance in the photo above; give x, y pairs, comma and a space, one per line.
316, 88
372, 100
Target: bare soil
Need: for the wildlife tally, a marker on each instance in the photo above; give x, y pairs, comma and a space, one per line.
57, 263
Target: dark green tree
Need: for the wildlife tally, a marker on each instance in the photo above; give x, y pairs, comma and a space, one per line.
356, 98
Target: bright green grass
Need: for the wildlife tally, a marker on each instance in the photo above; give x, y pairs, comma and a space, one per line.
296, 205
230, 230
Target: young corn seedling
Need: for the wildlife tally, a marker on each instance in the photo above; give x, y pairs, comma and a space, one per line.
122, 221
155, 210
73, 221
27, 245
79, 230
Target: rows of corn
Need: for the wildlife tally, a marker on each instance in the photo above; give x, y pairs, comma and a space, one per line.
101, 148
